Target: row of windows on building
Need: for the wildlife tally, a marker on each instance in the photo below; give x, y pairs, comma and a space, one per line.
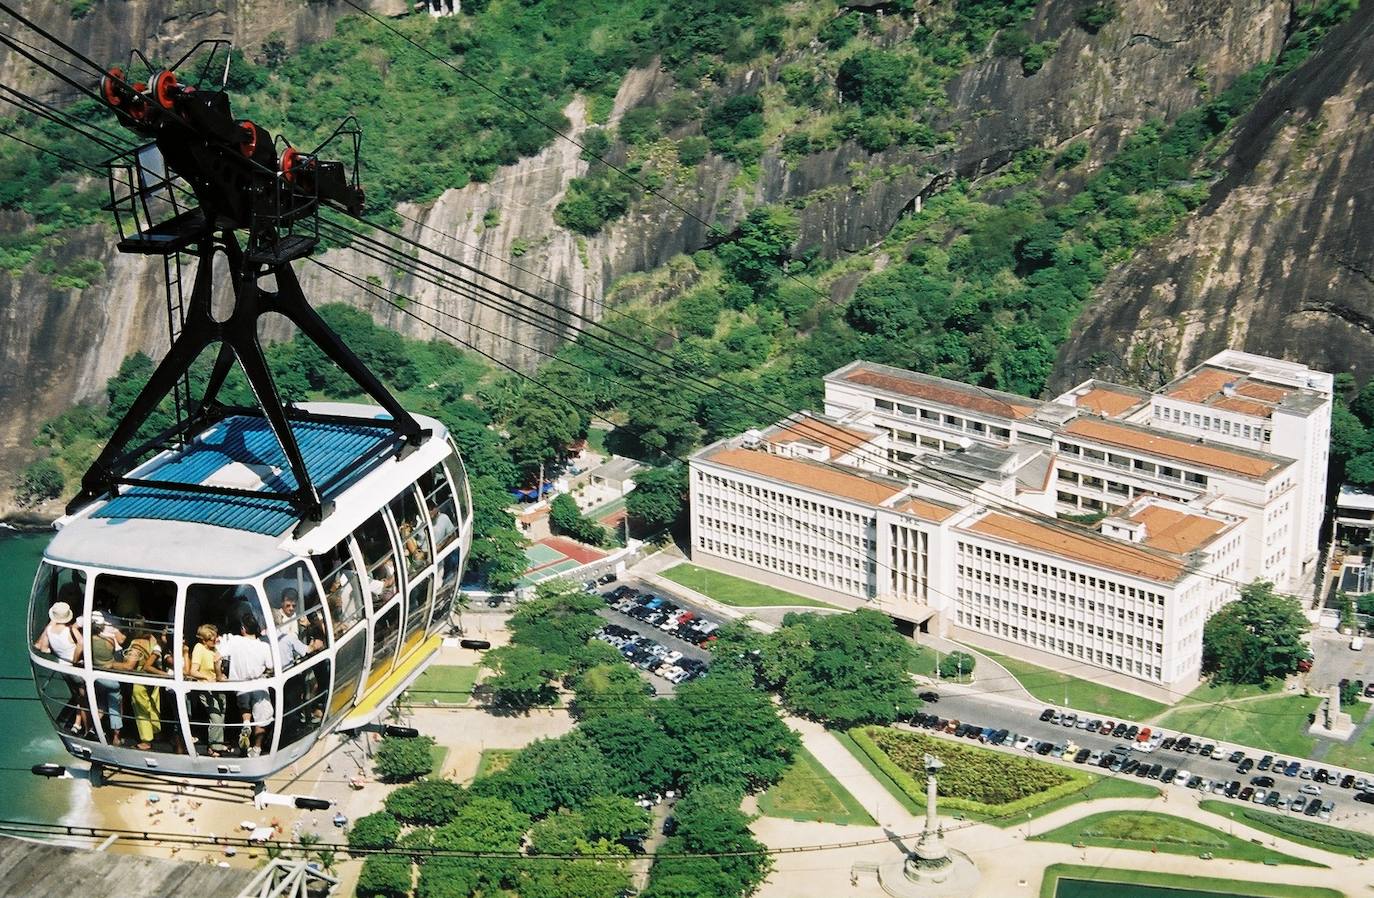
997, 556
1136, 465
755, 515
1032, 590
944, 419
982, 603
1213, 422
1025, 636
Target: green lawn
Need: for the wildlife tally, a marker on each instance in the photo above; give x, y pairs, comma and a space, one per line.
734, 590
926, 660
1100, 787
596, 439
1277, 724
1054, 688
1229, 691
1203, 884
807, 791
1357, 754
1296, 829
1149, 831
494, 760
437, 755
450, 684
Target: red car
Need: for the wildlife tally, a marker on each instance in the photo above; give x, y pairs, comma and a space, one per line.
1143, 735
1304, 665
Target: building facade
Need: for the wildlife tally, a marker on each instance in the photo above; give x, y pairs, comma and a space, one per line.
944, 505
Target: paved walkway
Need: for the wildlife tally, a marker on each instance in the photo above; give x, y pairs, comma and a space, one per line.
854, 776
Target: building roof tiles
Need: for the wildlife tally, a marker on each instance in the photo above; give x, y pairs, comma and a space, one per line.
1087, 547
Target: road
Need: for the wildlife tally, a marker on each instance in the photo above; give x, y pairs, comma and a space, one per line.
1020, 719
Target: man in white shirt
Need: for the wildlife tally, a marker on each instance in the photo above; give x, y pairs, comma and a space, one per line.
250, 659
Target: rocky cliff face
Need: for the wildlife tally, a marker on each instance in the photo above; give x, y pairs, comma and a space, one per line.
1154, 60
1280, 260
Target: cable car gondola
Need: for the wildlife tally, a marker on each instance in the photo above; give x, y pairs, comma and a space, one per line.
223, 592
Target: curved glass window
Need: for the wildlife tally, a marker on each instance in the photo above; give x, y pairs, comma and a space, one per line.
250, 718
444, 520
303, 702
207, 712
343, 592
137, 604
64, 697
55, 608
379, 559
386, 638
458, 473
412, 525
348, 672
417, 612
450, 569
297, 614
215, 610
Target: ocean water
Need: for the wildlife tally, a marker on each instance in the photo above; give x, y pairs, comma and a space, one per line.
26, 736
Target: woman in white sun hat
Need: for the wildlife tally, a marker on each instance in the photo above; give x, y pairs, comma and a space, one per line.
63, 638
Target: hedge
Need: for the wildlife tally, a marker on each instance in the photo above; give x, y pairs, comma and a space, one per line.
1074, 781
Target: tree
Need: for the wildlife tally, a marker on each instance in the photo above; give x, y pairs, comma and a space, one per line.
639, 754
659, 496
384, 876
559, 619
548, 774
567, 519
522, 677
1093, 17
874, 79
730, 732
376, 830
612, 688
426, 803
758, 254
709, 823
541, 428
845, 669
1256, 638
399, 760
574, 879
42, 480
956, 665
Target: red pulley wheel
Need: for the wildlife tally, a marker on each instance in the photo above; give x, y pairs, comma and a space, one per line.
163, 86
289, 158
248, 144
109, 83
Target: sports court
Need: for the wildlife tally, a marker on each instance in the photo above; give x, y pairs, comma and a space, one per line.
555, 555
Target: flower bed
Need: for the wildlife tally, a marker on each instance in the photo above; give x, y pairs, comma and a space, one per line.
975, 780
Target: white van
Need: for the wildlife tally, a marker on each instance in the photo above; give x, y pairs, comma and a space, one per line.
1357, 643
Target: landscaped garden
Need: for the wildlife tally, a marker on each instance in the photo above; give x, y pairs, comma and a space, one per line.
1060, 689
735, 590
1296, 829
1075, 881
807, 792
1150, 831
979, 782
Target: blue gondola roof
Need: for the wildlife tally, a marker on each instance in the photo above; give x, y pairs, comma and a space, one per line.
336, 454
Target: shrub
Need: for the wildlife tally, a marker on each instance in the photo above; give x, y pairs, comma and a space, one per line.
42, 480
384, 876
733, 125
974, 780
1036, 55
1072, 154
956, 664
399, 760
1011, 42
376, 830
1093, 17
568, 519
427, 803
691, 150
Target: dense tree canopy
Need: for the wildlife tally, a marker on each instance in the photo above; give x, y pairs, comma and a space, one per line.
1256, 638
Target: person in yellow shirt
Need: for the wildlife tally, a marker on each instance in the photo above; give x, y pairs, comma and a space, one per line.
208, 705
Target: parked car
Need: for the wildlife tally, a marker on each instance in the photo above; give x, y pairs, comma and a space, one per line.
1347, 781
1261, 795
1183, 743
1365, 797
1265, 781
1245, 765
1022, 743
1044, 748
1143, 735
1327, 807
1310, 789
1273, 800
1132, 732
1119, 730
1292, 768
1265, 762
1106, 728
1068, 719
1246, 794
1168, 775
1095, 757
1047, 715
929, 696
1082, 756
1168, 743
1193, 782
1298, 804
1232, 788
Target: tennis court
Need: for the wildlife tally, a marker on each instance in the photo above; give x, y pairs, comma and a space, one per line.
553, 556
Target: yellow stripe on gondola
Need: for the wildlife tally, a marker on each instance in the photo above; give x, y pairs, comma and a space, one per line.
403, 675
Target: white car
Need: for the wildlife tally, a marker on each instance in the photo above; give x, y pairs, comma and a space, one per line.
1205, 786
1023, 743
1260, 796
1310, 789
1181, 778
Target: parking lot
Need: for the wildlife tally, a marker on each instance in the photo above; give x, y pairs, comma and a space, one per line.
662, 635
1192, 768
1333, 660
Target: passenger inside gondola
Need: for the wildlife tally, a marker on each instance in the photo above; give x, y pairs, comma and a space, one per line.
250, 658
206, 705
62, 638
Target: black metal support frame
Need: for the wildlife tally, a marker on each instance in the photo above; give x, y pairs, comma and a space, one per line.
237, 337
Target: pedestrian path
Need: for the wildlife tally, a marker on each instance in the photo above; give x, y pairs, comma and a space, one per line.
870, 793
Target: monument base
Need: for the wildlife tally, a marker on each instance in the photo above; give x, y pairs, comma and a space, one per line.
1342, 728
953, 876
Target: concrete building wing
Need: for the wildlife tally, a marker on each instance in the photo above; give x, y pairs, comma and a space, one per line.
818, 476
1144, 439
939, 390
1087, 548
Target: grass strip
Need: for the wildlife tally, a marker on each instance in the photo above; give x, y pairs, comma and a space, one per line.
1212, 886
1060, 689
735, 590
1150, 831
1297, 829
